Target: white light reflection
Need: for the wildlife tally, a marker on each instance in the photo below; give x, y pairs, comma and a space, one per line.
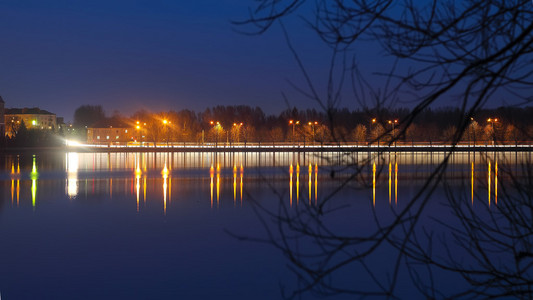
72, 174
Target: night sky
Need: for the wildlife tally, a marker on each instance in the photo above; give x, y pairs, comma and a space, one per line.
158, 55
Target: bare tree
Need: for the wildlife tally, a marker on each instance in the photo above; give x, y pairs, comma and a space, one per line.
359, 133
463, 52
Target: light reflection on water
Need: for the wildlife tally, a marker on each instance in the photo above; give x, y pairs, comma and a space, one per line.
165, 204
96, 173
72, 162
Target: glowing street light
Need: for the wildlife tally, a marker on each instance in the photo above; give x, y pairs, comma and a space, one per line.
217, 127
312, 124
472, 132
492, 121
165, 122
372, 124
238, 126
293, 123
393, 122
139, 133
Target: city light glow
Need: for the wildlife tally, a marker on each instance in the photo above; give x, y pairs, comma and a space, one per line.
72, 143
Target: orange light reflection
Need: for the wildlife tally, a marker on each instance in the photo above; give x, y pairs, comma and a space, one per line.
316, 182
396, 183
234, 185
310, 183
144, 190
218, 187
489, 182
297, 183
390, 181
211, 175
472, 183
496, 182
165, 185
242, 172
138, 188
290, 184
374, 184
18, 191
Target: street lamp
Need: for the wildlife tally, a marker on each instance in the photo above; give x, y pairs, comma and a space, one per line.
293, 123
165, 122
492, 121
238, 126
372, 124
138, 127
472, 137
394, 122
312, 124
216, 126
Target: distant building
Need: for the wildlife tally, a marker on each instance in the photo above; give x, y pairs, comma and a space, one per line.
33, 118
2, 120
110, 131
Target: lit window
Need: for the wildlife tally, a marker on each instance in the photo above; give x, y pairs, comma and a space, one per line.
126, 131
98, 137
116, 137
107, 137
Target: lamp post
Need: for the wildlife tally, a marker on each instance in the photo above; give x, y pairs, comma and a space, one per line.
293, 123
139, 134
216, 126
372, 124
394, 122
492, 121
472, 133
312, 124
165, 122
238, 126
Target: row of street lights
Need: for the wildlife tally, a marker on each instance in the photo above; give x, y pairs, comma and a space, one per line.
213, 123
491, 121
393, 123
238, 126
294, 123
218, 127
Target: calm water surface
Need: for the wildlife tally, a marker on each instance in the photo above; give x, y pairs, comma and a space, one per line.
155, 225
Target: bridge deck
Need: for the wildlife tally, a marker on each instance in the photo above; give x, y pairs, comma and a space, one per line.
351, 148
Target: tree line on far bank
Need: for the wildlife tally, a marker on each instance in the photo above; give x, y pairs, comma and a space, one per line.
250, 124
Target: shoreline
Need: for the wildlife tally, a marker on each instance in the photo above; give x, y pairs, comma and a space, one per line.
276, 148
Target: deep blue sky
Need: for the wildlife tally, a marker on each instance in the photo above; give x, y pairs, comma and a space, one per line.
160, 55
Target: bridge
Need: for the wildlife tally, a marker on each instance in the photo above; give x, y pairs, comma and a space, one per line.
298, 148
